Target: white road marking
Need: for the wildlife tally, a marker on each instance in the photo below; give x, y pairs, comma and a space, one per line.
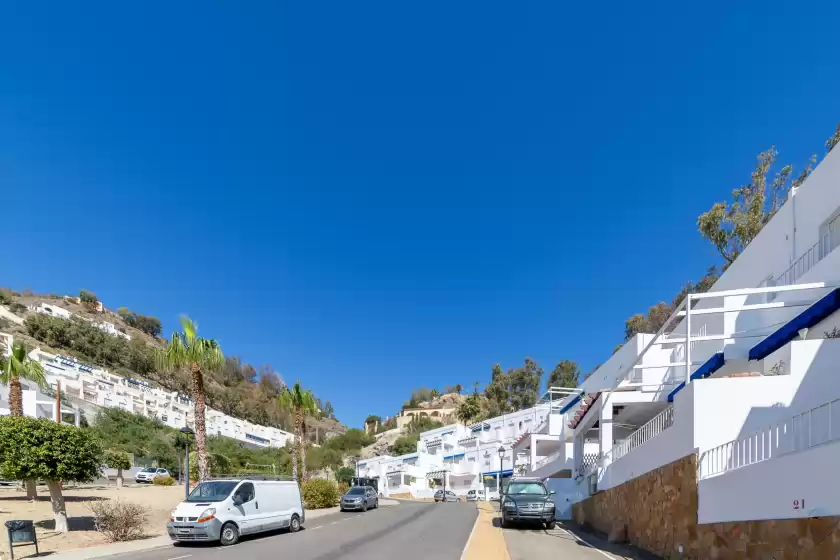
318, 527
179, 557
598, 550
334, 523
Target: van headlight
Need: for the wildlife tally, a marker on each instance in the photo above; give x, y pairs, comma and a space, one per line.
172, 515
549, 504
207, 515
510, 504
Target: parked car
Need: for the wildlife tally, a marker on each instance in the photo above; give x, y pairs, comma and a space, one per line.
475, 496
359, 498
149, 475
527, 500
224, 510
449, 496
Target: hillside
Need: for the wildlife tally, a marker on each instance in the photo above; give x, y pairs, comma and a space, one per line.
240, 389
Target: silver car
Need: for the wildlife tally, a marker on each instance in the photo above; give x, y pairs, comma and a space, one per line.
359, 498
149, 475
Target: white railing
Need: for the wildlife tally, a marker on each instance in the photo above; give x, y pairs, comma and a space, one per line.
811, 428
809, 259
548, 458
648, 431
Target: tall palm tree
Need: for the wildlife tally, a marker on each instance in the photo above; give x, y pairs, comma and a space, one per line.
17, 366
187, 350
12, 368
301, 403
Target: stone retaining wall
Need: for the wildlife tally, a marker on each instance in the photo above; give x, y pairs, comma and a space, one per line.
658, 512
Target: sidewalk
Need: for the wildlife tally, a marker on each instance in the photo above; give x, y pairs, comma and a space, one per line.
486, 541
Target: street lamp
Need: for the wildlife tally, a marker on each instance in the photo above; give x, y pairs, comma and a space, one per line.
501, 468
187, 431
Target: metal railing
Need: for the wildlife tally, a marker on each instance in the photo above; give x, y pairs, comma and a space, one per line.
645, 433
820, 249
548, 458
813, 427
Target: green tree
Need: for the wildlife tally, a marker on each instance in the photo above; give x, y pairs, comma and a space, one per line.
149, 325
329, 411
405, 444
129, 317
345, 474
16, 367
40, 449
730, 227
469, 409
458, 388
434, 393
498, 393
524, 385
564, 374
119, 460
833, 140
299, 402
88, 300
188, 350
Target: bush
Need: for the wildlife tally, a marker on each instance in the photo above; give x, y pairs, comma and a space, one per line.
163, 481
119, 521
343, 487
319, 493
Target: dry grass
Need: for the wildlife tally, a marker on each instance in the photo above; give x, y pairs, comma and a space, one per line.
155, 501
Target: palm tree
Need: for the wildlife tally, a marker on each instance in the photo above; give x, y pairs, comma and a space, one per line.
17, 366
12, 368
302, 403
187, 350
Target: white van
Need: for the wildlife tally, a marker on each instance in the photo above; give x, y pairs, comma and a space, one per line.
223, 510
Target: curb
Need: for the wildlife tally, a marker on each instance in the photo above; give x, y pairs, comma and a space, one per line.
112, 549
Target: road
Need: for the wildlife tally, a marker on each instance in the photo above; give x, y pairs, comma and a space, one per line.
409, 531
562, 542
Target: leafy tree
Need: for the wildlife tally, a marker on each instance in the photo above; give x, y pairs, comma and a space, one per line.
498, 393
833, 140
730, 227
564, 374
420, 395
6, 296
405, 444
17, 366
329, 411
149, 325
89, 300
434, 393
129, 317
300, 402
188, 350
117, 460
524, 385
40, 449
372, 419
345, 474
458, 388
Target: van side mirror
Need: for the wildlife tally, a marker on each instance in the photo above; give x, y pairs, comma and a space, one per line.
552, 492
237, 500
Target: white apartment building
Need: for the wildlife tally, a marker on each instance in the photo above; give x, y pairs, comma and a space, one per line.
61, 313
745, 376
100, 387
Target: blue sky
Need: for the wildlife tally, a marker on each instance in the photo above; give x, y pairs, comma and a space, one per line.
373, 197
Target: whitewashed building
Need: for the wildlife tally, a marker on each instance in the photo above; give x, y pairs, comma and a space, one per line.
744, 376
100, 387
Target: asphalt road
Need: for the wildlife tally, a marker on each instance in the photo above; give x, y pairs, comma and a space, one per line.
409, 531
527, 543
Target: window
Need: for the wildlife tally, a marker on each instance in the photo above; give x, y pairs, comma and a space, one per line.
245, 492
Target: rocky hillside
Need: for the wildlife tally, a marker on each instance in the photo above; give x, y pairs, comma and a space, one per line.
240, 389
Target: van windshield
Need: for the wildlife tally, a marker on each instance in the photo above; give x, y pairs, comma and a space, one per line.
215, 491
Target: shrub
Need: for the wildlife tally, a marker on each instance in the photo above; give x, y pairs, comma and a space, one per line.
119, 521
343, 487
163, 481
319, 493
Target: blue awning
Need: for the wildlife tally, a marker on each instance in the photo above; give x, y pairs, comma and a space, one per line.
454, 456
494, 474
571, 404
805, 320
708, 368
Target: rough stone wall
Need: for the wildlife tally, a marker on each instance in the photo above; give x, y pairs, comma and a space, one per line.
658, 512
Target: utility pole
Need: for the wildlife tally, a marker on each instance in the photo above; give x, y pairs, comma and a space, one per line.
58, 402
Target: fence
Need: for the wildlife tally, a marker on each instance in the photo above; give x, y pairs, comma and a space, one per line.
829, 241
648, 431
803, 431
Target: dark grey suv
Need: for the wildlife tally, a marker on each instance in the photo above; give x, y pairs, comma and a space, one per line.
527, 500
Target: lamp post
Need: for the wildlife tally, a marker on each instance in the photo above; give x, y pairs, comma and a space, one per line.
187, 431
501, 468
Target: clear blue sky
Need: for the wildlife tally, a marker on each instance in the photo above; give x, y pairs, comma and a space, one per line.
372, 197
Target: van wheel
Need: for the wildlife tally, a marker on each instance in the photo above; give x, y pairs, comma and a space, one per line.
364, 506
294, 524
550, 525
230, 534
